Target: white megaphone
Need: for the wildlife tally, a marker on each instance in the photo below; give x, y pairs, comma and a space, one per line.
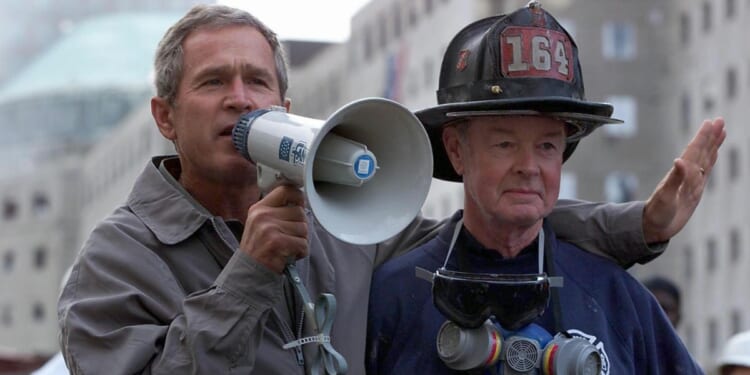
366, 170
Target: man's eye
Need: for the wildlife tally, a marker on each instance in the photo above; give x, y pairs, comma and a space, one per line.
258, 81
212, 82
549, 146
504, 144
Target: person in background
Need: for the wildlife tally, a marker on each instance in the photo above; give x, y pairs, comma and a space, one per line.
668, 295
735, 357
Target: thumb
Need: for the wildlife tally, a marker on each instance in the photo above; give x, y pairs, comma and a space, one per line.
672, 181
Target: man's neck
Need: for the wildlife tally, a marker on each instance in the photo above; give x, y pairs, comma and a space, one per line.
229, 201
507, 239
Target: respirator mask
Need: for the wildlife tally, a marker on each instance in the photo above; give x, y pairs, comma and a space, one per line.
489, 322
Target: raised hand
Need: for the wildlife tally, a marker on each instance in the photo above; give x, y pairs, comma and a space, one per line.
673, 202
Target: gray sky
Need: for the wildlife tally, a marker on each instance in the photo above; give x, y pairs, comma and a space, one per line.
320, 20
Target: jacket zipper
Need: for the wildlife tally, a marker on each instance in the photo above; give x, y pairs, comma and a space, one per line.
288, 335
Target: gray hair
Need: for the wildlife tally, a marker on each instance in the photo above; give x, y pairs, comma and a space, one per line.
168, 63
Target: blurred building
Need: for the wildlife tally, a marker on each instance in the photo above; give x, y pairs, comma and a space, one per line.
29, 28
72, 124
709, 55
664, 65
80, 88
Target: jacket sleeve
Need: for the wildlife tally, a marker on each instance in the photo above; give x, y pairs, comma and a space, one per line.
418, 232
614, 230
122, 312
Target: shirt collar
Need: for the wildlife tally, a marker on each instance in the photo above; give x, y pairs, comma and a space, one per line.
163, 204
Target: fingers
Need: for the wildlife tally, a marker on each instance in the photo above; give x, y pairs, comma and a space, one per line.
276, 228
702, 151
284, 195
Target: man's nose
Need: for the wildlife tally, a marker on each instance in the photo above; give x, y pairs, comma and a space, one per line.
525, 161
239, 97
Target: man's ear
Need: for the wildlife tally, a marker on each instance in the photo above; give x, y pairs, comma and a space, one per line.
287, 104
162, 113
452, 144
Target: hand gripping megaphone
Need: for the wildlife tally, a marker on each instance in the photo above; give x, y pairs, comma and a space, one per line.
366, 170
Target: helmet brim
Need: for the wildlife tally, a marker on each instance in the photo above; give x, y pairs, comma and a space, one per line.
584, 116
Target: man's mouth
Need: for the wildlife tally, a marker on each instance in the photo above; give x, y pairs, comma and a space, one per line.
227, 131
522, 192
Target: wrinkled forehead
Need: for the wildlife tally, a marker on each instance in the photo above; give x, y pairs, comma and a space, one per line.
527, 125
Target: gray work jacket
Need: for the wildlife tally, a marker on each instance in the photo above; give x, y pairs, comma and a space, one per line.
158, 288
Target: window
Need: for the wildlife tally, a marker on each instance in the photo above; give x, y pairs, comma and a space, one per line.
9, 259
397, 27
618, 41
711, 254
736, 322
383, 31
734, 164
6, 316
367, 40
685, 29
708, 104
713, 336
40, 257
730, 8
735, 247
10, 209
428, 5
626, 109
412, 15
690, 338
707, 16
688, 263
37, 312
731, 82
39, 204
620, 187
711, 182
685, 116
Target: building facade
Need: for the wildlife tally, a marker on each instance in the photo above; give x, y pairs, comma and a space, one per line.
73, 127
710, 58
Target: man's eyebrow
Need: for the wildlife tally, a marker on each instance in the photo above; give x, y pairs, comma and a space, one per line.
247, 69
210, 71
255, 70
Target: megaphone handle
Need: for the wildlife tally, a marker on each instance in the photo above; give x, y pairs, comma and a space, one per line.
269, 178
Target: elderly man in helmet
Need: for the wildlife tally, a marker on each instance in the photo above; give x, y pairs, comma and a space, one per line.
508, 296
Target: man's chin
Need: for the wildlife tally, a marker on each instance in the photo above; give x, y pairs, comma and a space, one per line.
525, 217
